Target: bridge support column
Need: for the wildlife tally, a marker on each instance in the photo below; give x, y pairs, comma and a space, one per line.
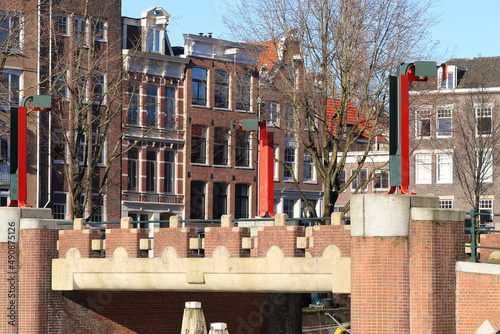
404, 251
28, 239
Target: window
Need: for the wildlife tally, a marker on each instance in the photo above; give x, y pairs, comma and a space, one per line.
486, 209
97, 152
133, 169
485, 165
359, 182
99, 88
289, 207
242, 201
9, 88
61, 24
60, 87
151, 104
484, 115
197, 200
450, 82
99, 28
221, 146
10, 30
242, 149
169, 174
151, 170
444, 122
154, 40
309, 171
243, 91
445, 203
272, 110
289, 162
199, 86
220, 199
133, 104
381, 179
97, 207
423, 173
169, 107
198, 145
423, 123
342, 178
59, 205
444, 170
79, 30
221, 89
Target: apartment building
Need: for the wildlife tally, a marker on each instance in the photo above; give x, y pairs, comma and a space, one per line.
71, 51
454, 137
153, 136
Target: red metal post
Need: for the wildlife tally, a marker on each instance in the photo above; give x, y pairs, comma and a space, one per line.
405, 134
266, 172
22, 157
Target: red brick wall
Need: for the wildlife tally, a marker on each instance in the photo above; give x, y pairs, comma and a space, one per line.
126, 238
327, 235
229, 237
489, 240
35, 304
81, 239
380, 285
478, 300
174, 237
435, 247
284, 237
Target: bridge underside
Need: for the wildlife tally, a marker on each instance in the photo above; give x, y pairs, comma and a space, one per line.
272, 273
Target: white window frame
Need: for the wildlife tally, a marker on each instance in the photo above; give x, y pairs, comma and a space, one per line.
446, 203
273, 109
486, 206
290, 144
487, 172
451, 81
423, 168
154, 40
80, 34
420, 115
444, 113
308, 161
444, 167
361, 177
380, 174
9, 16
61, 20
64, 205
482, 111
100, 30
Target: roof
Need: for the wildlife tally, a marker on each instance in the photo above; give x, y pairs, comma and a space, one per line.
479, 72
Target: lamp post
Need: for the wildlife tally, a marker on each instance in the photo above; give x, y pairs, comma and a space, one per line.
18, 147
399, 125
266, 165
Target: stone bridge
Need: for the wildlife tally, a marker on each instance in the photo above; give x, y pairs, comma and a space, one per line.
278, 258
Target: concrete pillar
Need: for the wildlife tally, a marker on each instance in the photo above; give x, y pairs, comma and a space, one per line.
403, 256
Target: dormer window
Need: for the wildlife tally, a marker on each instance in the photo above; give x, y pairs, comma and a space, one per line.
154, 40
448, 83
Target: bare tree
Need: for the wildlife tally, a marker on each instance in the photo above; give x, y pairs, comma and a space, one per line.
334, 60
84, 73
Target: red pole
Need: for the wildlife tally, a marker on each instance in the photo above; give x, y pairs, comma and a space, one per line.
266, 172
22, 157
405, 134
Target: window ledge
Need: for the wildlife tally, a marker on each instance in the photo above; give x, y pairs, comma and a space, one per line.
244, 167
310, 182
200, 164
221, 166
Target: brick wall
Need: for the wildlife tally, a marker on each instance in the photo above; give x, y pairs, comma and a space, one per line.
380, 285
80, 239
126, 238
327, 235
435, 247
284, 237
229, 237
175, 237
478, 300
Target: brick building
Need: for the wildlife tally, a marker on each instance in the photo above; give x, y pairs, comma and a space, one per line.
454, 135
153, 142
70, 51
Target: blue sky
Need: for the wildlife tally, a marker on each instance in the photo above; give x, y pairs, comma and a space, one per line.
468, 28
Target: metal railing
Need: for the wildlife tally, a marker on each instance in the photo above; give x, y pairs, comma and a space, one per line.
476, 230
